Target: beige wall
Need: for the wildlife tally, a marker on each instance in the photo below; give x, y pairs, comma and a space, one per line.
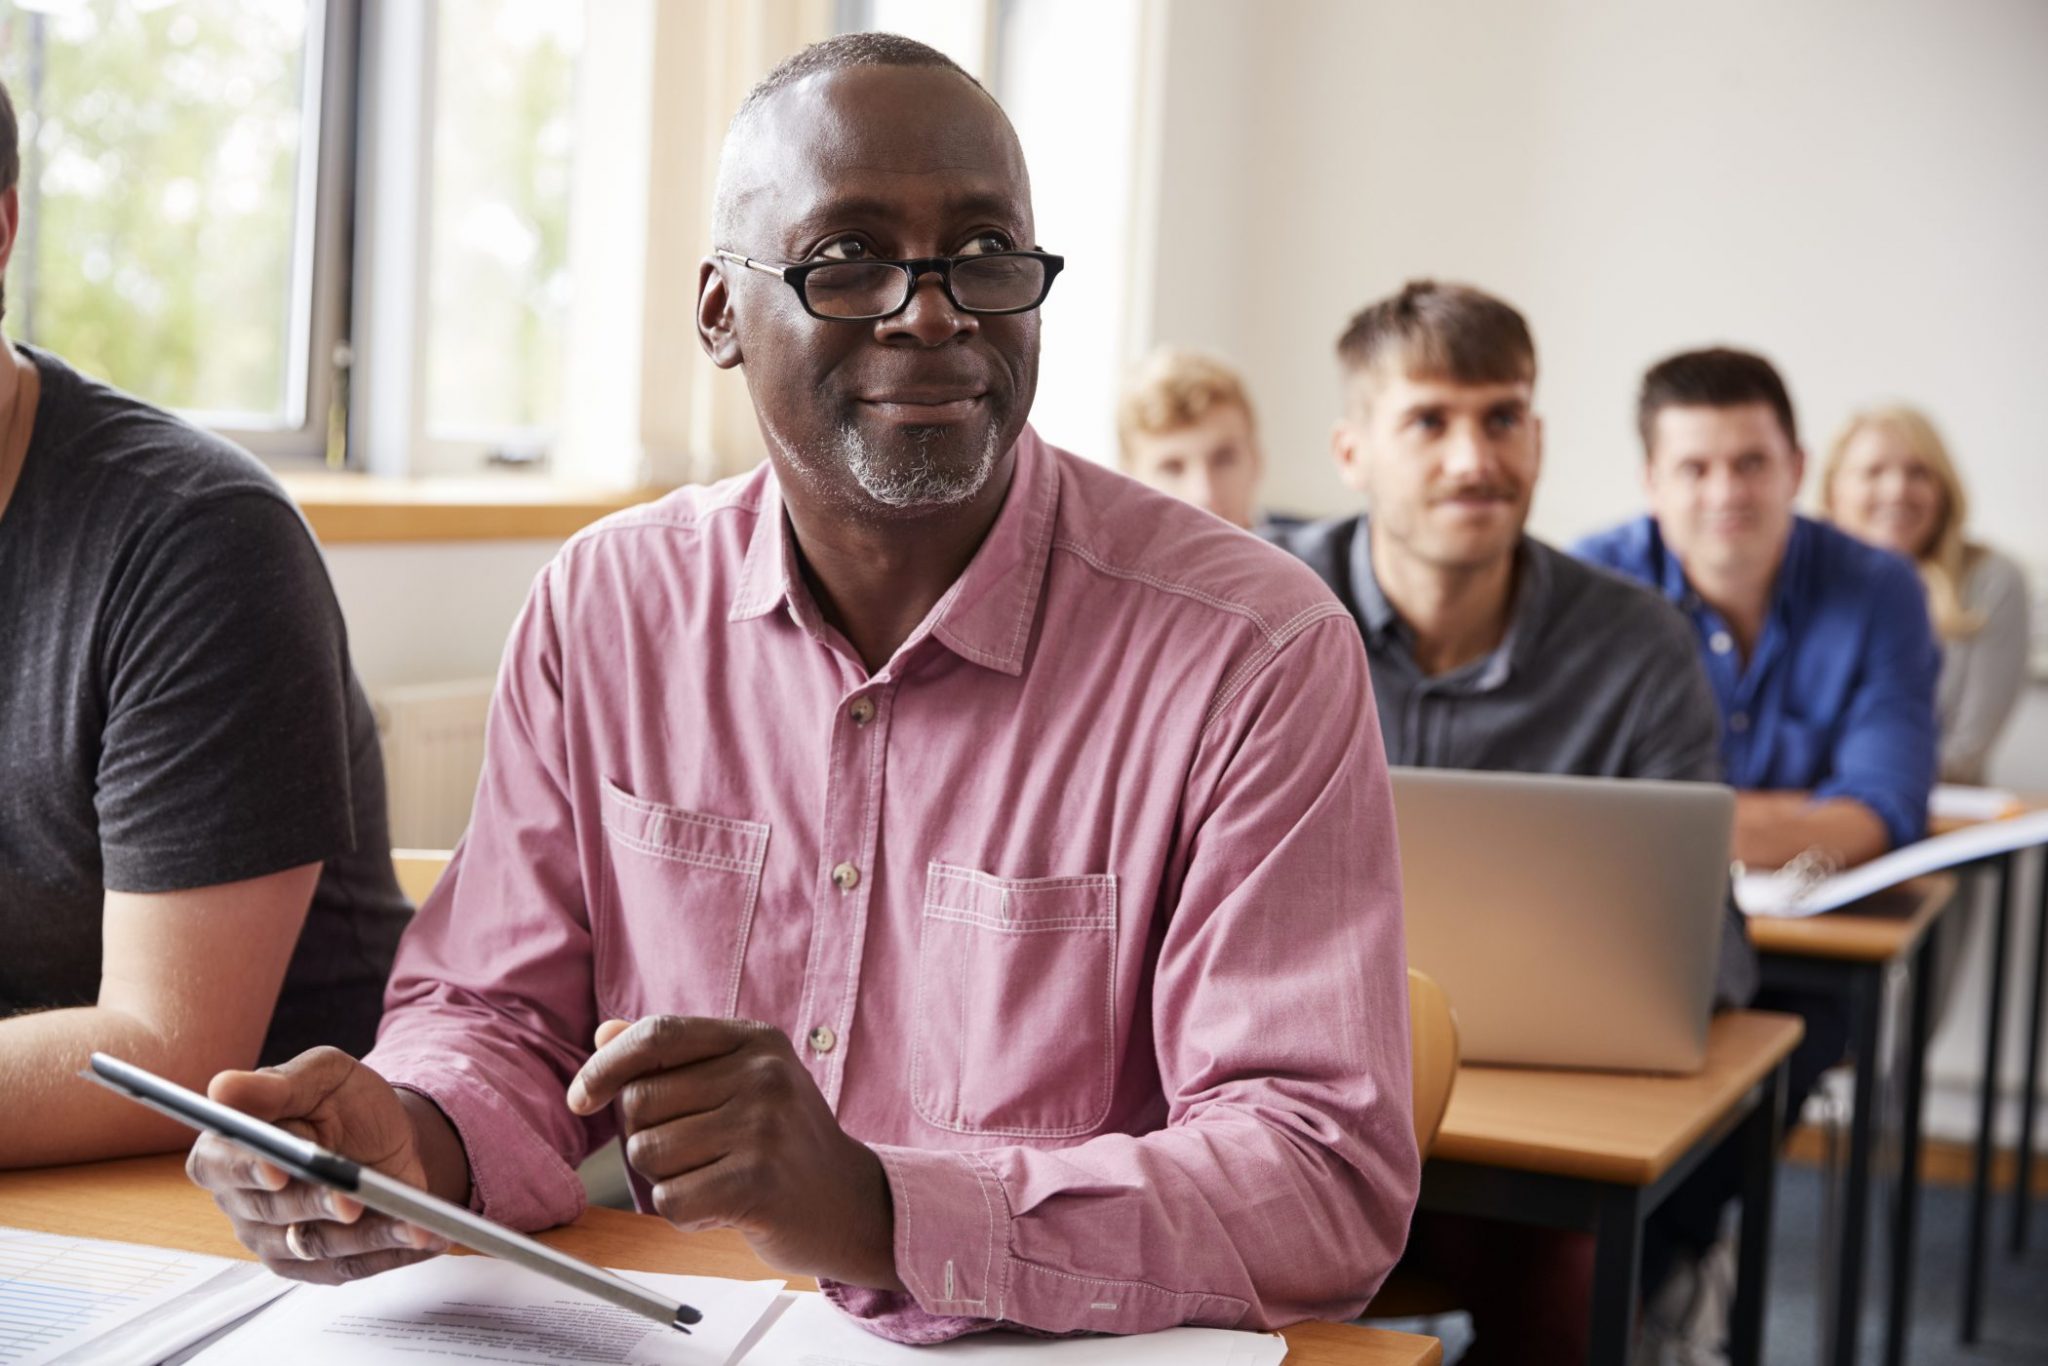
1858, 189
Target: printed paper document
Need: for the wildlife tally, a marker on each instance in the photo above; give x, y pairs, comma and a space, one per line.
479, 1309
811, 1332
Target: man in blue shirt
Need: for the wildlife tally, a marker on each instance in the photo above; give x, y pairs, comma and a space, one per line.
1819, 651
1818, 646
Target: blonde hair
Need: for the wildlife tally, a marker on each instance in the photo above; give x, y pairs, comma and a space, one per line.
1171, 389
1947, 558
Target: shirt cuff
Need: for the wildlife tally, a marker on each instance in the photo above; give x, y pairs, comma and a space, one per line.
952, 1250
515, 1177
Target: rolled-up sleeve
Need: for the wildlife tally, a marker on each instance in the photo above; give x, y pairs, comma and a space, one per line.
489, 1011
1886, 747
1280, 1187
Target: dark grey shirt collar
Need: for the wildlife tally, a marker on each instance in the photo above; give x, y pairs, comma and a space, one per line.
1385, 631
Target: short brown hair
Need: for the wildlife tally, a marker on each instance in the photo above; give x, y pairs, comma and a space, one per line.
1171, 389
1717, 377
1441, 331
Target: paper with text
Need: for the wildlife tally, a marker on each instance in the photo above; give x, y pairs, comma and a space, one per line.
811, 1332
59, 1293
479, 1309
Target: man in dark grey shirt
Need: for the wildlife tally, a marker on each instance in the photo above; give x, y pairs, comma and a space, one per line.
194, 865
1491, 650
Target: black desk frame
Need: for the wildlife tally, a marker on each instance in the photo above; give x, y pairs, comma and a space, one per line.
1978, 1235
1614, 1214
1862, 985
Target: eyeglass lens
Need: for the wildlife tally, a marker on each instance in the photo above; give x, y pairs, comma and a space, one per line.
870, 289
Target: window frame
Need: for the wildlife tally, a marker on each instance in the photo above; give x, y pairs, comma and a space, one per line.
316, 325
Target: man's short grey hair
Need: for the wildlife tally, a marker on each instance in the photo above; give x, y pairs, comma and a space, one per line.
842, 53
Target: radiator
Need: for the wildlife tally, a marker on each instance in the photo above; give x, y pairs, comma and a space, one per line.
433, 736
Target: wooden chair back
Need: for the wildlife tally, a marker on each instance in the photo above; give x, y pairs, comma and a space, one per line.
1433, 1038
418, 870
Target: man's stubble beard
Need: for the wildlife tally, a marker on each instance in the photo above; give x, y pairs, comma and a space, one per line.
920, 476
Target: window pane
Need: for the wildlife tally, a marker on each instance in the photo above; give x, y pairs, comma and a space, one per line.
498, 269
160, 195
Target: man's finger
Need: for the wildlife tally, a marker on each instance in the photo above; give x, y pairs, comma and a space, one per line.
655, 1044
298, 1202
289, 1090
709, 1197
679, 1146
218, 1165
323, 1240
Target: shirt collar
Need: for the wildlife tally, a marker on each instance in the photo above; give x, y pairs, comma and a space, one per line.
1384, 627
985, 617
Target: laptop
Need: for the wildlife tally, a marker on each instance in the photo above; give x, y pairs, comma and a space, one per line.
1573, 922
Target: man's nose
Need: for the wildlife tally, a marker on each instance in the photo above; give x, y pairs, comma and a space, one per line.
930, 318
1468, 452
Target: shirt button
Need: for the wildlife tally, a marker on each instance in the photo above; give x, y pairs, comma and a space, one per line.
862, 711
1739, 722
823, 1039
1720, 642
846, 876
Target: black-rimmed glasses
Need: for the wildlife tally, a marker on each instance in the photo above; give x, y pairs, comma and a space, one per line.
863, 291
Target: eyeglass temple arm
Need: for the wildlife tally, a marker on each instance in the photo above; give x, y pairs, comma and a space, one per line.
749, 262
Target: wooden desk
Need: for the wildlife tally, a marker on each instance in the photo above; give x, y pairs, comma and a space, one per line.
1599, 1151
1847, 954
1999, 869
148, 1200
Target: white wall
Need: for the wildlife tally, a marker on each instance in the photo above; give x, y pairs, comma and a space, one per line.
432, 613
1857, 189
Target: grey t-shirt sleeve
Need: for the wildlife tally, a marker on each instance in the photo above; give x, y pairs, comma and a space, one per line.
225, 750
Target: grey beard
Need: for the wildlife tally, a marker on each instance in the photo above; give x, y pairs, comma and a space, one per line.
919, 481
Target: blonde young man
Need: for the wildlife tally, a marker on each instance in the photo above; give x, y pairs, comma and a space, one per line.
1185, 426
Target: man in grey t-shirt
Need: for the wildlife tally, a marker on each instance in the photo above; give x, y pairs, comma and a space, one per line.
1491, 650
194, 866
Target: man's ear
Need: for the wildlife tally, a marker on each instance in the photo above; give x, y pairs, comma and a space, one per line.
1347, 449
10, 224
715, 331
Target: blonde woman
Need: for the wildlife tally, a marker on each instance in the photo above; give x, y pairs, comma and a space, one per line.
1889, 481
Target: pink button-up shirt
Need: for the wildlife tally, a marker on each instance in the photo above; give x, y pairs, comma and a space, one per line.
1083, 911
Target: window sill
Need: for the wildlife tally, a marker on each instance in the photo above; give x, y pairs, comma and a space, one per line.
354, 509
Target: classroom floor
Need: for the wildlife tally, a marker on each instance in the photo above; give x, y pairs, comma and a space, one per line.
2015, 1320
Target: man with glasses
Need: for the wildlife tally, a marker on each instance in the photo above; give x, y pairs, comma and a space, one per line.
994, 856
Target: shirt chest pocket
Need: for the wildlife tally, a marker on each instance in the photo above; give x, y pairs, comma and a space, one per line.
678, 899
1016, 1004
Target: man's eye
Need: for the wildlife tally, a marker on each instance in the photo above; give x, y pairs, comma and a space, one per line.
844, 249
987, 243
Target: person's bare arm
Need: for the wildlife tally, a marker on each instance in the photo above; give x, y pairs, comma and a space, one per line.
188, 982
1773, 828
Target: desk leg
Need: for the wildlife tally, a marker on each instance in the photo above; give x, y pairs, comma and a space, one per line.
2030, 1088
1987, 1106
1866, 1000
1617, 1272
1906, 1219
1761, 1134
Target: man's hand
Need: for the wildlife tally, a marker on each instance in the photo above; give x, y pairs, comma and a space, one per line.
730, 1130
303, 1231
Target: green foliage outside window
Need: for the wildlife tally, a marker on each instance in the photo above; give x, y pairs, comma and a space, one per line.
161, 147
